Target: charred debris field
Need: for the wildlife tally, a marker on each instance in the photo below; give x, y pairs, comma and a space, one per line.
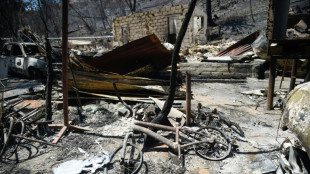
141, 86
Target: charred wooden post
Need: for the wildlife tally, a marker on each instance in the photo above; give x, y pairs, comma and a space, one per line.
49, 80
293, 75
188, 99
276, 29
209, 14
65, 60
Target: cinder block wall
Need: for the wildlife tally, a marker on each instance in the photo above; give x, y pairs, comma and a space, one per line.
223, 70
152, 22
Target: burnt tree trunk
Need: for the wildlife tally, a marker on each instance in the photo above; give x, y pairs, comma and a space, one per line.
49, 81
49, 73
162, 118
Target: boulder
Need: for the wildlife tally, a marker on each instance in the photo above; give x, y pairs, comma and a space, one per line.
297, 112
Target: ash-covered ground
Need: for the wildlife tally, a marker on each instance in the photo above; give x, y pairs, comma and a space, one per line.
258, 152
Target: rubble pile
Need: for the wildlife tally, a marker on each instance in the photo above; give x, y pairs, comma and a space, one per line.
300, 30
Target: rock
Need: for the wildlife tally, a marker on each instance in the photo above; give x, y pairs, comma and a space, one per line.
296, 115
199, 171
111, 107
301, 26
168, 46
121, 112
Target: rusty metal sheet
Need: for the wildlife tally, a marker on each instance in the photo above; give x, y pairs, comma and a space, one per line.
130, 80
240, 47
147, 51
103, 83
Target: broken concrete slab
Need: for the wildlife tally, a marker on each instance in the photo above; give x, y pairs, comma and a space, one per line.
258, 92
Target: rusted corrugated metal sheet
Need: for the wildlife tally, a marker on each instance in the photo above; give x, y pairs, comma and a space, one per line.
144, 52
240, 47
136, 86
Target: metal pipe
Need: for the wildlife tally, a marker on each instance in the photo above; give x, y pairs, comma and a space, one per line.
32, 115
65, 59
16, 111
156, 126
152, 134
197, 142
188, 99
18, 102
293, 75
272, 76
283, 73
125, 144
2, 97
177, 134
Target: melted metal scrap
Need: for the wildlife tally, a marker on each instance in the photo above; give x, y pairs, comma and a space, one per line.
204, 116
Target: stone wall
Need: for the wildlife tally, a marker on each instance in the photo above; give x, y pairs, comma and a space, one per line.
138, 25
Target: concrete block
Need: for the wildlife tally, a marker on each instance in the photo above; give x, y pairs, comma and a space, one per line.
217, 73
185, 6
58, 105
206, 73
